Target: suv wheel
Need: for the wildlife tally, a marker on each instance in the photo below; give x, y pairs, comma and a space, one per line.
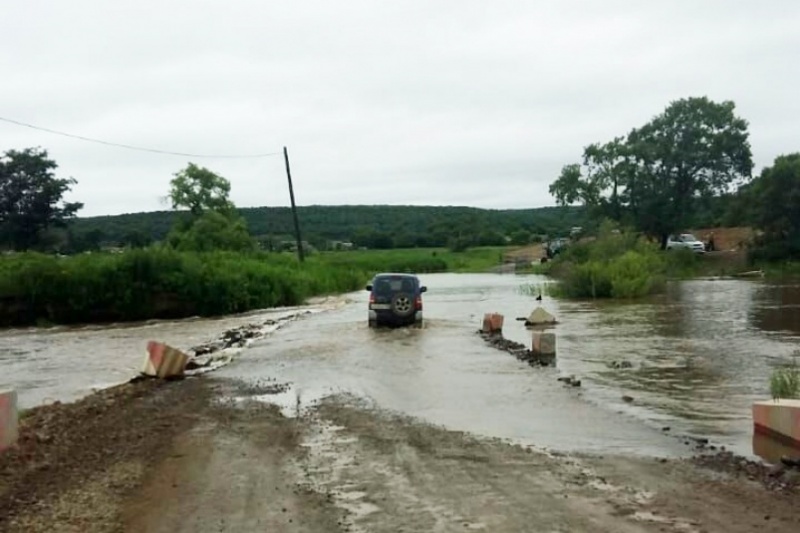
402, 305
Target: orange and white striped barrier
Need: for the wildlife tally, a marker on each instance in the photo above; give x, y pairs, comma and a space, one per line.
163, 361
9, 420
492, 323
779, 419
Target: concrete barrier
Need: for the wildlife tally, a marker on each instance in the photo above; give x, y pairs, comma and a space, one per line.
540, 317
492, 323
164, 361
9, 420
779, 419
544, 344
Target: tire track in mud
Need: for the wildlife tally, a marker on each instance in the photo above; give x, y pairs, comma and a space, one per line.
392, 474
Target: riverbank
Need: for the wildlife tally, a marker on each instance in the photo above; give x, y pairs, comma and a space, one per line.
160, 283
157, 456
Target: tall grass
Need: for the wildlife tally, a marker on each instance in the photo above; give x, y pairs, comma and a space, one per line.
160, 282
785, 382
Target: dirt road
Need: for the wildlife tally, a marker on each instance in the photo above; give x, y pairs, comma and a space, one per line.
173, 458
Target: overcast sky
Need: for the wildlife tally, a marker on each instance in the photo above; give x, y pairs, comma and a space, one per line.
423, 102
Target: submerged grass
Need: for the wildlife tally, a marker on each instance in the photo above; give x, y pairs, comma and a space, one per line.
160, 282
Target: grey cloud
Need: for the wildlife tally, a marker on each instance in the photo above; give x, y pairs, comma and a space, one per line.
423, 102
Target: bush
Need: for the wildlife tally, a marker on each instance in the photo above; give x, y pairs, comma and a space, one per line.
616, 265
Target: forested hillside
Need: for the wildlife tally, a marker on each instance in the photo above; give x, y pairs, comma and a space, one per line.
370, 226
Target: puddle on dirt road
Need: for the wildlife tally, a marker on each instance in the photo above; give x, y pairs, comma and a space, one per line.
698, 357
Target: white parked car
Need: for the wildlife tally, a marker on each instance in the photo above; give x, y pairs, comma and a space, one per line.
685, 240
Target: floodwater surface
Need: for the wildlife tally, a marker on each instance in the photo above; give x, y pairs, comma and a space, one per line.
694, 360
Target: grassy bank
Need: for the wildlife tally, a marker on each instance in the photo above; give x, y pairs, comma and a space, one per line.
163, 283
620, 265
420, 260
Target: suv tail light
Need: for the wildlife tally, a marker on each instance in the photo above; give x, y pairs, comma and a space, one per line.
418, 303
371, 298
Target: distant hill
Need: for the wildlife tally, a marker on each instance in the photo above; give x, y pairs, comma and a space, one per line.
374, 226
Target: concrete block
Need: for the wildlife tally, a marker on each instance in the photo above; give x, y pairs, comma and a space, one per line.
543, 343
492, 323
164, 361
540, 317
779, 419
9, 419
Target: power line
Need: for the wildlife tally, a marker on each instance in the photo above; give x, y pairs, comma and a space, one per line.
138, 148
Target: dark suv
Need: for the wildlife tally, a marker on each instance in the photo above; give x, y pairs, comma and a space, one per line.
395, 299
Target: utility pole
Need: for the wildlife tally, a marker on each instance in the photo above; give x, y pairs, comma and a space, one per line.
300, 254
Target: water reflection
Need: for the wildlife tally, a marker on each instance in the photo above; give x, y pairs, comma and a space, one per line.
700, 354
772, 450
776, 308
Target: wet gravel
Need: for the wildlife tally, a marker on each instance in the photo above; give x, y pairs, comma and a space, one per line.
780, 477
104, 440
518, 350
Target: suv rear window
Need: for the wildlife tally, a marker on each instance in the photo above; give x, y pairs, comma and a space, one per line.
385, 286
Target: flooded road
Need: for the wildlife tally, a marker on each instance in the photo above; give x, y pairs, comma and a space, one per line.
698, 356
64, 364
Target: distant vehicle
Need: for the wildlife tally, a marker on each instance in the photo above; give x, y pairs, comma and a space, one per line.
395, 300
685, 240
555, 247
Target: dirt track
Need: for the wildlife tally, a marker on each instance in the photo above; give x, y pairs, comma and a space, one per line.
169, 457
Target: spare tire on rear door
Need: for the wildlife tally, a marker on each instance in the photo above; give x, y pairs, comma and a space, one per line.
402, 305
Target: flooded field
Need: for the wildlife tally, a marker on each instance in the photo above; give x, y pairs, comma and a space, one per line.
694, 358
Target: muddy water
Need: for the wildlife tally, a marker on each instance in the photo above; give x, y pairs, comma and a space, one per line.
699, 356
63, 364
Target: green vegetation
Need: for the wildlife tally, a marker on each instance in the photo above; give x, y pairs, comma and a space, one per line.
415, 260
212, 222
373, 227
160, 282
658, 177
774, 198
785, 382
616, 264
31, 198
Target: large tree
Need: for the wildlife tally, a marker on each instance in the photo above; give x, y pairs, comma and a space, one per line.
653, 177
213, 222
31, 198
775, 195
199, 190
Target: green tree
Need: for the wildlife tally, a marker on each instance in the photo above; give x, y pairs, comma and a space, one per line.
31, 198
213, 222
777, 198
521, 237
657, 177
136, 239
212, 231
198, 190
491, 238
